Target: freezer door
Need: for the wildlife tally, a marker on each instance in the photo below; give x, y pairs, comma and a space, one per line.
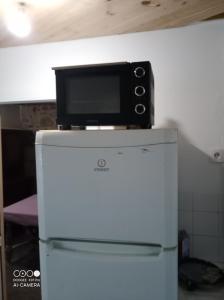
117, 194
85, 270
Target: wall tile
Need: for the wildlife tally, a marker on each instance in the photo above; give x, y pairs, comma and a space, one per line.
221, 249
206, 202
206, 248
180, 220
205, 223
188, 222
191, 245
180, 201
187, 201
221, 225
221, 203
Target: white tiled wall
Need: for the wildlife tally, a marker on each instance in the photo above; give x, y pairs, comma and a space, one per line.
206, 247
205, 223
202, 216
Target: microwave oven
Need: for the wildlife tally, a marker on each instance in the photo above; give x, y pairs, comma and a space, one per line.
105, 94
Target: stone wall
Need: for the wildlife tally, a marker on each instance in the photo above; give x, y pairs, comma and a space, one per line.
28, 116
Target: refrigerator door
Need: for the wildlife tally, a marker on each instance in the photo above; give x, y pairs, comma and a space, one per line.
112, 193
85, 270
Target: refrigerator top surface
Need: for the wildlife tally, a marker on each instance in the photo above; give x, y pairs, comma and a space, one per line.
106, 138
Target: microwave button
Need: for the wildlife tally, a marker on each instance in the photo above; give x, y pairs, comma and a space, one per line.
139, 90
140, 109
139, 72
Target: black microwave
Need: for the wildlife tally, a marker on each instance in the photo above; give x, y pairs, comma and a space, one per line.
105, 94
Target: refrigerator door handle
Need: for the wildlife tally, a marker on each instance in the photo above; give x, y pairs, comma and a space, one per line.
106, 248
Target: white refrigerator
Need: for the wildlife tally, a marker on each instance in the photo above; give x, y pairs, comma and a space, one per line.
107, 206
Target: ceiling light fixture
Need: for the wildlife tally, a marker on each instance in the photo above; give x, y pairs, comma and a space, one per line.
17, 20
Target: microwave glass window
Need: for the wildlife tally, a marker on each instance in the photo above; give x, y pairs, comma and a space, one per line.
93, 95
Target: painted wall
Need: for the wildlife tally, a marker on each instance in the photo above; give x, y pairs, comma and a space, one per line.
188, 65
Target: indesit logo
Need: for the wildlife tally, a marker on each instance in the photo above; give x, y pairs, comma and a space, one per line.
101, 166
101, 163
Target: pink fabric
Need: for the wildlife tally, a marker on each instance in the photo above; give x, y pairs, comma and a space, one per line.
23, 212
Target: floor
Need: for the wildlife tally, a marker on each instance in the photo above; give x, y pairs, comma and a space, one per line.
208, 294
34, 294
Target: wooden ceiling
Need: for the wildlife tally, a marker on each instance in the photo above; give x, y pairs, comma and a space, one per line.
59, 20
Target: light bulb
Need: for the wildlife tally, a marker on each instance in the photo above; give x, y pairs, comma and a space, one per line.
18, 22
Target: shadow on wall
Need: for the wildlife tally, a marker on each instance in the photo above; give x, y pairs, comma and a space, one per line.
201, 199
197, 172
